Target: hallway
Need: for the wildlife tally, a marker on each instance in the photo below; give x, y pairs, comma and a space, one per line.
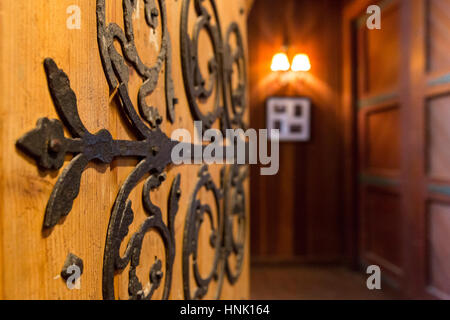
288, 282
371, 182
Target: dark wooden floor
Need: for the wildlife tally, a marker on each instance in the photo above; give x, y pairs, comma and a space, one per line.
313, 283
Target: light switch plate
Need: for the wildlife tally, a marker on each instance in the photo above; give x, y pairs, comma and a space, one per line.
290, 115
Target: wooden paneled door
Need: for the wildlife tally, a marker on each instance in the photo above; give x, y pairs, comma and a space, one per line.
379, 113
397, 95
90, 93
428, 254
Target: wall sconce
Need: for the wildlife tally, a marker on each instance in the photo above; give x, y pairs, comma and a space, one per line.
280, 62
301, 63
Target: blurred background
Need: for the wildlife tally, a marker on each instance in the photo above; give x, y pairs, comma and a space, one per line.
371, 184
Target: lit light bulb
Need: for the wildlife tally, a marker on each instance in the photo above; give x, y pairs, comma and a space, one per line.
280, 62
301, 63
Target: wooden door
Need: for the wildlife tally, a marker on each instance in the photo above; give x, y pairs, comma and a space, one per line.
396, 88
380, 110
90, 92
428, 71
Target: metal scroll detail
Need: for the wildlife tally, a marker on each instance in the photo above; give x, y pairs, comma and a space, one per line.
195, 217
235, 57
226, 85
229, 98
229, 211
121, 218
234, 214
117, 71
49, 146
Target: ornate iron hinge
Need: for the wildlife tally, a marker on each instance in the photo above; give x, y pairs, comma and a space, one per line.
48, 145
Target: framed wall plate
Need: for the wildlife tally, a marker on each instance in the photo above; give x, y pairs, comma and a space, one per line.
291, 116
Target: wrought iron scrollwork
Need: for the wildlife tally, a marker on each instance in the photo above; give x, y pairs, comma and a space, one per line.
48, 145
121, 218
194, 219
234, 212
117, 71
228, 92
230, 208
200, 89
235, 57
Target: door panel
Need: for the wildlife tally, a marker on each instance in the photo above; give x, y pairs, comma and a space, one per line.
438, 155
438, 24
434, 104
382, 223
402, 140
380, 141
439, 253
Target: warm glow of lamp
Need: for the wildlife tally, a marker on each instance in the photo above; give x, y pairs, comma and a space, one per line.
280, 62
301, 63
